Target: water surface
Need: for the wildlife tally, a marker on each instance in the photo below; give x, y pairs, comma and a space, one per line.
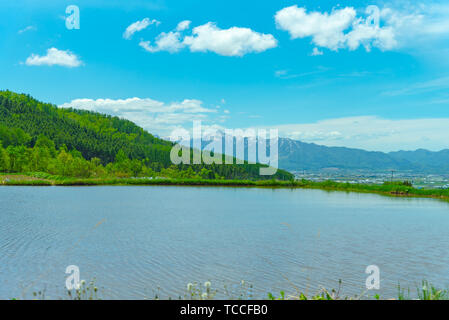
134, 240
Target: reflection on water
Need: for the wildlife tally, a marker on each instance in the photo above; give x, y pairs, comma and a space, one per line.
167, 237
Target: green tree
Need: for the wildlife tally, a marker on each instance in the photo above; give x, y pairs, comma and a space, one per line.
4, 159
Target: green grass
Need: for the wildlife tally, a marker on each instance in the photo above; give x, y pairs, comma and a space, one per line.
399, 189
244, 291
425, 292
27, 183
396, 189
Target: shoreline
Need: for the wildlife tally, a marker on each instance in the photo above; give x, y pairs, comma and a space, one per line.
395, 189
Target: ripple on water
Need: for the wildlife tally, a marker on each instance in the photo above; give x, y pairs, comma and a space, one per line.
167, 237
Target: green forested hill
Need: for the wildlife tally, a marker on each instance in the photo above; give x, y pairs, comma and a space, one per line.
94, 135
24, 121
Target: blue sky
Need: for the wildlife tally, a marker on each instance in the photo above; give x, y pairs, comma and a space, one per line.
319, 71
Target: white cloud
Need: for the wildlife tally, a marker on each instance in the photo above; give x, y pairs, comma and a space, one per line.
53, 57
286, 74
415, 22
425, 17
372, 133
397, 25
325, 29
167, 41
367, 36
155, 116
170, 42
146, 45
183, 25
29, 28
316, 52
138, 26
234, 41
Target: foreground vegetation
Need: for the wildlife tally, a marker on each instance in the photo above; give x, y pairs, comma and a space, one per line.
244, 291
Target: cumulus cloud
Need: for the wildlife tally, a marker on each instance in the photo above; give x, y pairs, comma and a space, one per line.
138, 26
336, 30
397, 25
372, 133
183, 25
368, 36
234, 41
155, 116
63, 58
325, 29
170, 42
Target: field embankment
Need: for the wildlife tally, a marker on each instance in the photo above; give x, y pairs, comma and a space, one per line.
396, 189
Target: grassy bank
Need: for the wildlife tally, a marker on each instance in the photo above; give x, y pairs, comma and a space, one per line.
244, 291
397, 189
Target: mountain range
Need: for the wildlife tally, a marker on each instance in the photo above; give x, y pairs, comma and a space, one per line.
296, 156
